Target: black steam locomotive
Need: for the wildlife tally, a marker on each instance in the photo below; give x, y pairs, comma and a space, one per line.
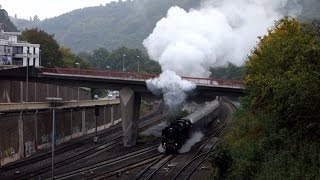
178, 132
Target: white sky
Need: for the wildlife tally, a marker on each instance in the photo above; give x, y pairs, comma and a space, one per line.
46, 8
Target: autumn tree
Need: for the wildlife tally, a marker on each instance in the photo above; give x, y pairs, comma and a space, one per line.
70, 59
283, 76
50, 55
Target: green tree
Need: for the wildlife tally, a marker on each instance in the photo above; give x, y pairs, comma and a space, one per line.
229, 72
276, 135
50, 55
129, 58
283, 75
70, 59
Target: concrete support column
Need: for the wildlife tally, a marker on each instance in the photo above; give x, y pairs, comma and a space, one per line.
48, 95
104, 114
20, 131
66, 93
83, 118
21, 91
111, 115
71, 125
36, 127
130, 108
58, 91
35, 92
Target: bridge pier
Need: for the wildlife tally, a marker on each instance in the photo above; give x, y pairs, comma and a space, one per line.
130, 108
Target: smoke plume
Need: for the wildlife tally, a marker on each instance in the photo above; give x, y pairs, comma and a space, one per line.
189, 43
196, 137
173, 88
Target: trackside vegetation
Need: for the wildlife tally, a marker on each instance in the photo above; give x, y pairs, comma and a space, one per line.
275, 135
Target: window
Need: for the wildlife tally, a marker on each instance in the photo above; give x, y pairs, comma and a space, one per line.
17, 61
17, 50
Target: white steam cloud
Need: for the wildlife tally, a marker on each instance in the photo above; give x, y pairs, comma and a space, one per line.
161, 149
196, 137
173, 88
190, 43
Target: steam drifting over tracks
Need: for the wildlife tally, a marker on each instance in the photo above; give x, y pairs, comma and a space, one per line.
202, 154
183, 166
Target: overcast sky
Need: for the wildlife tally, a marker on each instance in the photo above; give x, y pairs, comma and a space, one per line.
46, 8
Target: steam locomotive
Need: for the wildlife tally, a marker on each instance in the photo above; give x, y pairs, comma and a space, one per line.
178, 132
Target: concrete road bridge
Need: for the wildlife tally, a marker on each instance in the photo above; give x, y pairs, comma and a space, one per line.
131, 85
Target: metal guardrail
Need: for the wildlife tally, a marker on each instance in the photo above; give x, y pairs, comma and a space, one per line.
7, 107
139, 76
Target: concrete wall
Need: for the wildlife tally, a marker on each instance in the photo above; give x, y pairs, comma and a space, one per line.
21, 134
15, 91
9, 141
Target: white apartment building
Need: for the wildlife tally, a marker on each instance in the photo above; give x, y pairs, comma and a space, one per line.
14, 52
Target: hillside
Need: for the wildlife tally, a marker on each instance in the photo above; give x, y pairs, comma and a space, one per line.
120, 24
110, 26
5, 23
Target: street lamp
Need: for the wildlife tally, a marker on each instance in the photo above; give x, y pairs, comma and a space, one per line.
123, 70
78, 64
27, 80
39, 57
96, 114
108, 67
123, 56
138, 64
54, 103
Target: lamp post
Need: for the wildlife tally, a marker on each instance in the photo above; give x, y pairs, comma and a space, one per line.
78, 64
108, 67
123, 56
138, 64
96, 114
27, 80
54, 102
39, 57
123, 70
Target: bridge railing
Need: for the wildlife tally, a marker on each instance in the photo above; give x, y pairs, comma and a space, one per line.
101, 73
138, 76
215, 81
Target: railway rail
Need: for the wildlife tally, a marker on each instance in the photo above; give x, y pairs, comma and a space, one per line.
112, 167
12, 168
207, 145
202, 154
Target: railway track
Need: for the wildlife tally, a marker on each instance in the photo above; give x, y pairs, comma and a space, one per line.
47, 168
191, 165
202, 154
116, 165
153, 168
41, 169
